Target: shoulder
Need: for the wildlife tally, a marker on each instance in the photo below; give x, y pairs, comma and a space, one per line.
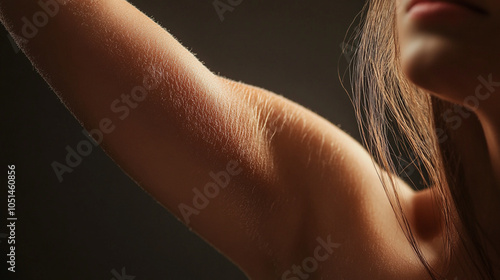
329, 196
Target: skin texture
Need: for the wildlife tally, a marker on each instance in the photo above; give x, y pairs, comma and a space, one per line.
301, 177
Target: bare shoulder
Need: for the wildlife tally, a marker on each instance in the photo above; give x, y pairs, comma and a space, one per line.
303, 182
331, 214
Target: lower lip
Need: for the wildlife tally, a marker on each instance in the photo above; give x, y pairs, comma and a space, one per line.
441, 11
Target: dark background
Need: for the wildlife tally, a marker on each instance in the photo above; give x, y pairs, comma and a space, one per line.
97, 220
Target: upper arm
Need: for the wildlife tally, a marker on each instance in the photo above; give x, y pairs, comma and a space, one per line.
246, 169
176, 128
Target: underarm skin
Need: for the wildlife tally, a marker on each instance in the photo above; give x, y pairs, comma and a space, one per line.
288, 176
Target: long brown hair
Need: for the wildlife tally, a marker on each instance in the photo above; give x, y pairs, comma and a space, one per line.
388, 105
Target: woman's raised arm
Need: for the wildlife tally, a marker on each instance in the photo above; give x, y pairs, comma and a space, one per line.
257, 176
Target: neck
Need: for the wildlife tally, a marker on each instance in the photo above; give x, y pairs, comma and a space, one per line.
479, 146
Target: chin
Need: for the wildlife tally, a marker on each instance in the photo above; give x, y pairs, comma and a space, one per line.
440, 67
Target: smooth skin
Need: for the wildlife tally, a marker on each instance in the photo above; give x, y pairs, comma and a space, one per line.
457, 60
301, 177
